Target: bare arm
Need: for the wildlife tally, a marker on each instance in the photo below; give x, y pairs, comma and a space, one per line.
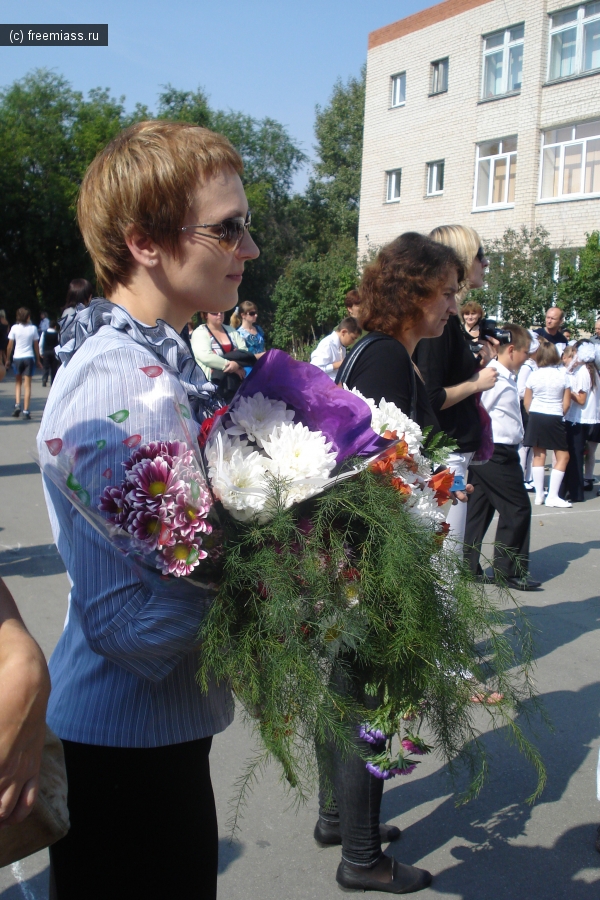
25, 687
482, 380
579, 397
9, 350
528, 397
566, 400
36, 349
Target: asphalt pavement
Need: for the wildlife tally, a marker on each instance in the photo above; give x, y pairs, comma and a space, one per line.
495, 848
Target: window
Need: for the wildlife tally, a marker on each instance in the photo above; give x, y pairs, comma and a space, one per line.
571, 161
394, 178
399, 89
439, 76
435, 177
574, 41
503, 62
496, 173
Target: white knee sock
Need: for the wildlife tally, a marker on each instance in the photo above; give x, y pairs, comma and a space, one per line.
537, 473
556, 478
590, 460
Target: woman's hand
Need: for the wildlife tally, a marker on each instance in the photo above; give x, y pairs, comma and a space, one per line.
235, 369
487, 351
462, 496
23, 700
484, 379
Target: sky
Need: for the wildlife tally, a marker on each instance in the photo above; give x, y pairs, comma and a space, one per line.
264, 57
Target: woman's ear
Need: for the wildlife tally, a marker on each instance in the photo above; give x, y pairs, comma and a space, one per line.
143, 249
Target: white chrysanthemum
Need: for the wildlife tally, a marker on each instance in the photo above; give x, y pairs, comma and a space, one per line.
302, 458
388, 417
424, 506
221, 445
257, 417
238, 481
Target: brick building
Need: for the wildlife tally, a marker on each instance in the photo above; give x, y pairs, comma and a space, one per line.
485, 113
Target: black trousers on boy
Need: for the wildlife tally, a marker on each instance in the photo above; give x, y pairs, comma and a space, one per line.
498, 486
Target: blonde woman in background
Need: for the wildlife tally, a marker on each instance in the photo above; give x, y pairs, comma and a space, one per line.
452, 373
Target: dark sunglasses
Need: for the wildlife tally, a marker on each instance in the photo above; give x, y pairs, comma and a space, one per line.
231, 231
480, 255
251, 313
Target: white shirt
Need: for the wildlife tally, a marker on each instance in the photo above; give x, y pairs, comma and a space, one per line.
548, 388
523, 374
328, 352
24, 337
502, 403
581, 381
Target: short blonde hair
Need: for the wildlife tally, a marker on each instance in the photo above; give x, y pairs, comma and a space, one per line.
464, 241
145, 179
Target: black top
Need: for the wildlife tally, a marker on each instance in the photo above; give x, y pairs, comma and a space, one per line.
4, 329
444, 362
383, 371
557, 338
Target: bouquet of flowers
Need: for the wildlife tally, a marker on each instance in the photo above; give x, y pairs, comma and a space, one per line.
336, 563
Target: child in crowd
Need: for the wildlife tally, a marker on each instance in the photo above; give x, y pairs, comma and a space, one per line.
49, 341
330, 353
498, 485
547, 399
581, 415
594, 432
529, 366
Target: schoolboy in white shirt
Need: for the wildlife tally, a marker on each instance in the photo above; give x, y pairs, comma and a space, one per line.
330, 353
498, 484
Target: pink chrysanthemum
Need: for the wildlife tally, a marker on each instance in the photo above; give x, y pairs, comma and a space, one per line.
181, 558
412, 747
154, 485
190, 515
169, 449
152, 528
112, 501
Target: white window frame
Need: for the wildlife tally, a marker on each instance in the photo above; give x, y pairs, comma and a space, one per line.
398, 78
393, 176
579, 24
563, 198
432, 177
433, 68
506, 47
508, 156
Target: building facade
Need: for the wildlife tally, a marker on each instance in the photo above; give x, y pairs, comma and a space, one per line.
484, 113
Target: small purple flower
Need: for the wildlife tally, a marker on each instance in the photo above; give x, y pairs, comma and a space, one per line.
406, 770
372, 736
181, 558
112, 502
374, 769
150, 527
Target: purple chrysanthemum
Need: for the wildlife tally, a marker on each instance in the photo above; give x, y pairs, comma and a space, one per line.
153, 484
406, 770
372, 736
150, 527
112, 502
374, 769
190, 515
171, 449
181, 558
412, 747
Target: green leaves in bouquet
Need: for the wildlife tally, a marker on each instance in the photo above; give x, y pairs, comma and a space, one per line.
351, 579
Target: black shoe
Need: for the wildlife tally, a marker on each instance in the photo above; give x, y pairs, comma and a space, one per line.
482, 578
16, 412
523, 584
328, 833
588, 484
405, 879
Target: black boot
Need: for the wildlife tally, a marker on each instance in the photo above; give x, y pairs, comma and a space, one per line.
387, 875
328, 833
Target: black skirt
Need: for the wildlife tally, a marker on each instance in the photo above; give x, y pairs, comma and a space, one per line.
594, 433
545, 431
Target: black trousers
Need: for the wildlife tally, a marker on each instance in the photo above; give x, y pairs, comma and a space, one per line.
143, 825
51, 366
498, 486
577, 434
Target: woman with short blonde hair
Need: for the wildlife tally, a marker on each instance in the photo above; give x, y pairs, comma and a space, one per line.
165, 219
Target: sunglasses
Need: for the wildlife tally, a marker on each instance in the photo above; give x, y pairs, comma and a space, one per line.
480, 255
231, 231
251, 313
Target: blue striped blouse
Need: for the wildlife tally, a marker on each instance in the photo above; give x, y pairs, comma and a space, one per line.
123, 671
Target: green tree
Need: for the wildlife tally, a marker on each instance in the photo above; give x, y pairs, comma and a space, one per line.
309, 296
520, 285
579, 286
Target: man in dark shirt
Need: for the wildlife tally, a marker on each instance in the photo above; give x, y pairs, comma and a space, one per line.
554, 319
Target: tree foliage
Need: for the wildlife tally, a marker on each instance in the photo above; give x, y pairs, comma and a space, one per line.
579, 285
309, 296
